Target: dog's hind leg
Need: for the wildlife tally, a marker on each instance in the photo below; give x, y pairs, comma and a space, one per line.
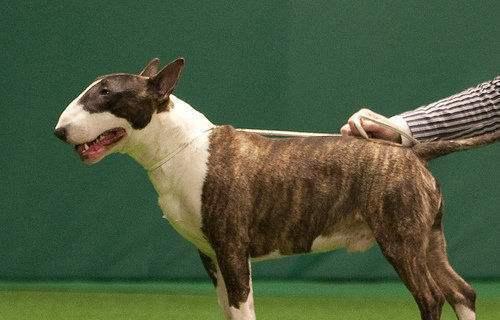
405, 248
459, 294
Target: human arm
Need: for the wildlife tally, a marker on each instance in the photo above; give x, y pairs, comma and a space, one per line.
472, 112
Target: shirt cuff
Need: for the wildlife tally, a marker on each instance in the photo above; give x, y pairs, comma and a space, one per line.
401, 123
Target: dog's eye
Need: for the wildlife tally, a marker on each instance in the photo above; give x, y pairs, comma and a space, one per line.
104, 92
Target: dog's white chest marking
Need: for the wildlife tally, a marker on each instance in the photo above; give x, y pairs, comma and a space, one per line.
178, 181
179, 185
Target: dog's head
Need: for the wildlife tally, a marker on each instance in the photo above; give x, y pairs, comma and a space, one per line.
101, 118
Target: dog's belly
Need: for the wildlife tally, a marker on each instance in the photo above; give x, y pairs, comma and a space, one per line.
359, 238
353, 236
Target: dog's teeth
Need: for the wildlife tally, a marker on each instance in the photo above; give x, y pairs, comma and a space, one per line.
86, 146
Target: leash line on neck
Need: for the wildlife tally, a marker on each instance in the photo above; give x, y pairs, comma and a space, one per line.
181, 147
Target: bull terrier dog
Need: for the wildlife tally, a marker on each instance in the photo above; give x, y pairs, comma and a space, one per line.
241, 196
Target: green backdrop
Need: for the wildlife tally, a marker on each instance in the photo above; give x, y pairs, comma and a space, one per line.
301, 65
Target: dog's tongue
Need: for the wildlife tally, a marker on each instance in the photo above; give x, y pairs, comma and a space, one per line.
92, 150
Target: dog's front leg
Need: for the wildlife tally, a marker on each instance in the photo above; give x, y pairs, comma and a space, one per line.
215, 275
236, 298
235, 272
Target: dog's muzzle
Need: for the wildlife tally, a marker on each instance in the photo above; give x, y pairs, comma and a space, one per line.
61, 133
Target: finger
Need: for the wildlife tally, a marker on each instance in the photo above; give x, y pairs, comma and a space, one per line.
358, 124
352, 127
371, 126
380, 132
346, 130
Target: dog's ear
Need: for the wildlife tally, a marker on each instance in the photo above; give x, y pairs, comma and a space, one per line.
164, 81
151, 68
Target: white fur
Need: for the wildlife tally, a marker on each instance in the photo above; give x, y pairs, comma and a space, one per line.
73, 110
222, 294
179, 181
245, 310
464, 313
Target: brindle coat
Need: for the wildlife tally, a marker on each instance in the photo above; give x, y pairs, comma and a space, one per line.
263, 195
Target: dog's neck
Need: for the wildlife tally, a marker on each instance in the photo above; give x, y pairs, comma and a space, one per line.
166, 133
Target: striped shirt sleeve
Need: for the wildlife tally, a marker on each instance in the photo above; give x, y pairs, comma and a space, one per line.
469, 113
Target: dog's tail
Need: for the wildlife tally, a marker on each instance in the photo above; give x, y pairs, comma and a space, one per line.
431, 150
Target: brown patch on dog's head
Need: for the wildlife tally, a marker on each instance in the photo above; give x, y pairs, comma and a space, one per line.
134, 97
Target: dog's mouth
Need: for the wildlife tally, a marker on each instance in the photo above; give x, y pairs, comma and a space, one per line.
95, 149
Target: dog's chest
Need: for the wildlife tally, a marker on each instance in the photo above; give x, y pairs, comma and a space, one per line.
185, 219
179, 185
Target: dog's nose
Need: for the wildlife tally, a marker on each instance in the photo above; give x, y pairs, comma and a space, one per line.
60, 133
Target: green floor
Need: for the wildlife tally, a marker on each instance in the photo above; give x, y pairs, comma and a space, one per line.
274, 300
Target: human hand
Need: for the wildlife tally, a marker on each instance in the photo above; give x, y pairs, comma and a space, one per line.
371, 128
